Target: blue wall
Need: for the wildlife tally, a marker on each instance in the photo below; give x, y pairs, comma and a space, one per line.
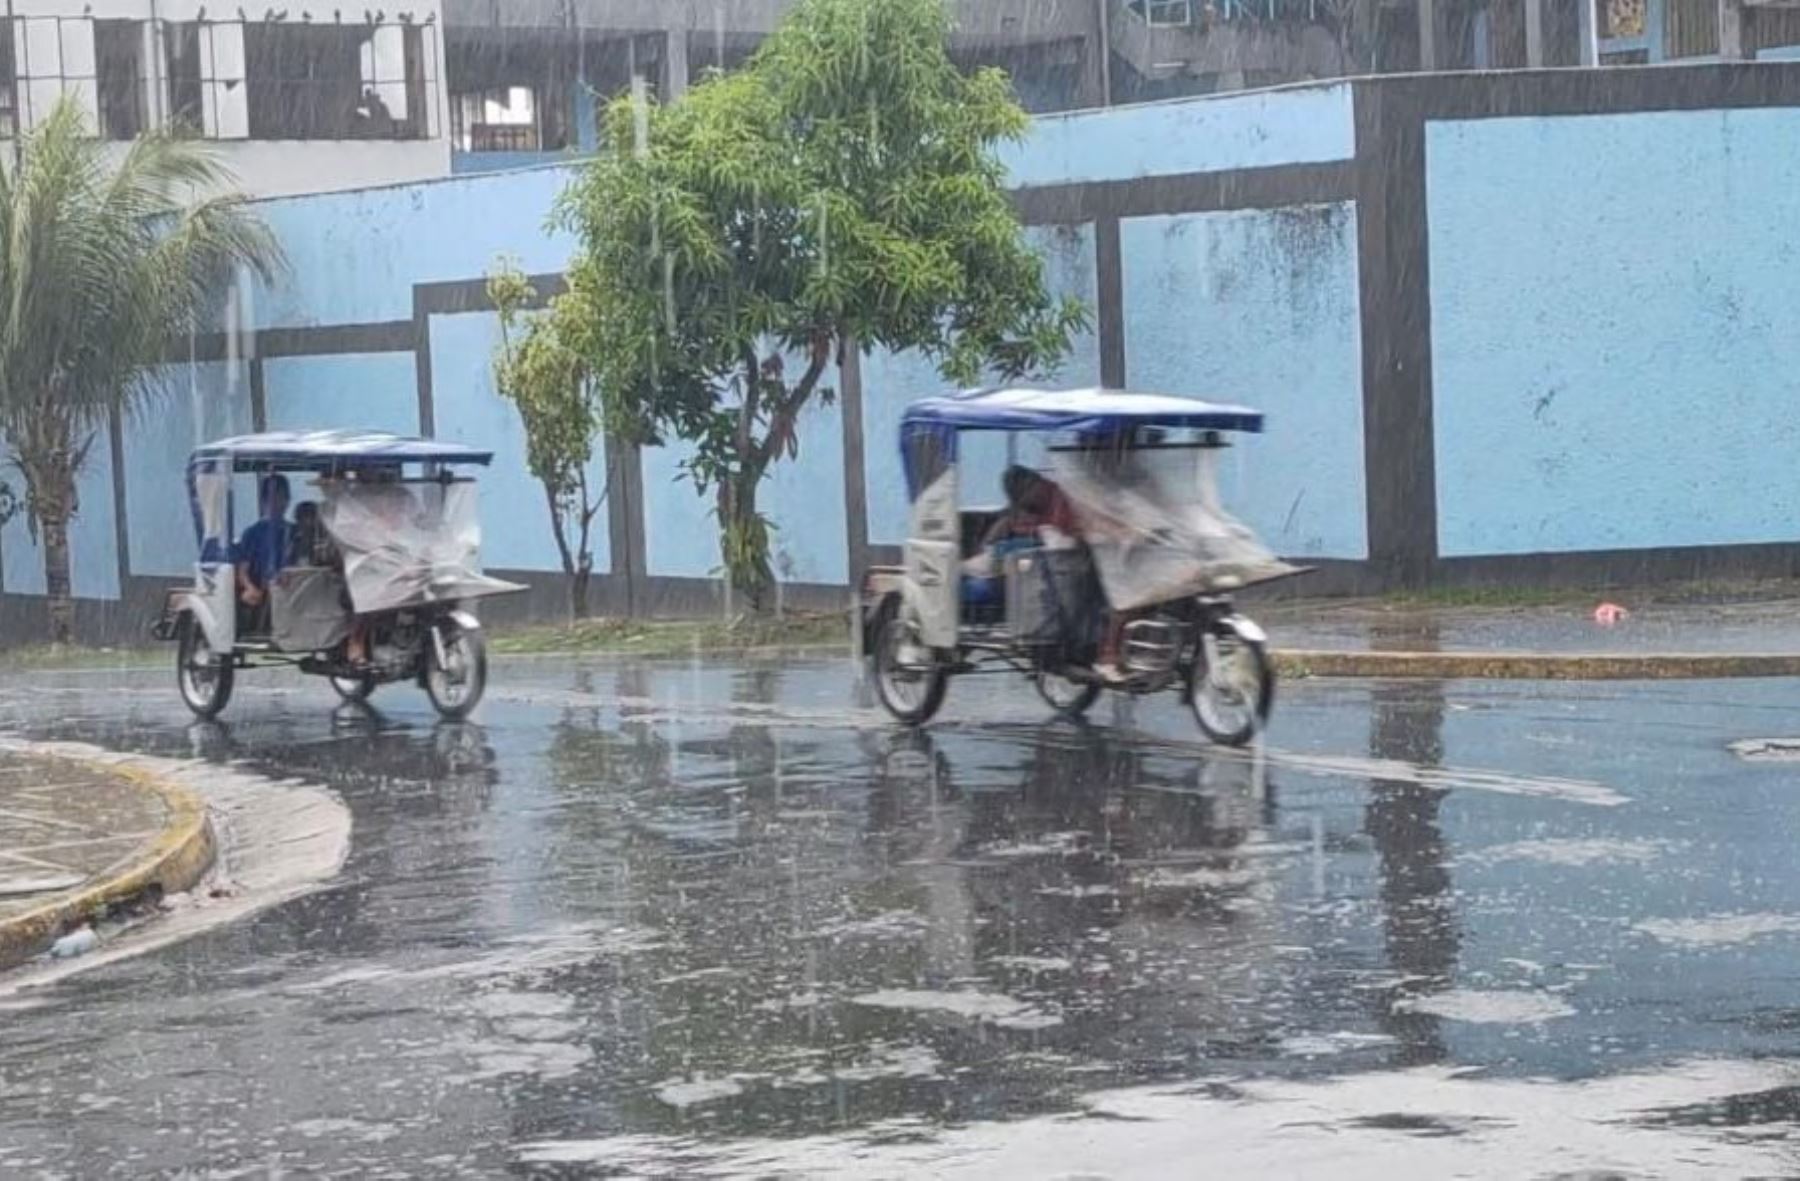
1259, 129
803, 498
1593, 281
1614, 348
374, 390
93, 556
195, 404
889, 382
354, 257
1260, 307
515, 524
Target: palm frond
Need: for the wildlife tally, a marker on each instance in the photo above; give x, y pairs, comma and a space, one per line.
103, 261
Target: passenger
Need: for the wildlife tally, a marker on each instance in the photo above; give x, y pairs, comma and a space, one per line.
311, 545
263, 549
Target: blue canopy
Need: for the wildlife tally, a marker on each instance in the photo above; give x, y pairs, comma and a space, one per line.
1091, 410
332, 451
935, 422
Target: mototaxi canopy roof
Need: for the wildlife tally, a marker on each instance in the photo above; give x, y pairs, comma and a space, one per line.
1088, 413
330, 451
326, 452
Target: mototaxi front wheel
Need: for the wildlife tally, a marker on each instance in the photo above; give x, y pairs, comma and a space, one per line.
455, 669
909, 681
203, 675
1232, 694
1070, 699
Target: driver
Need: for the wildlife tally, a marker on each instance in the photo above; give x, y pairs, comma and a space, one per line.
1037, 513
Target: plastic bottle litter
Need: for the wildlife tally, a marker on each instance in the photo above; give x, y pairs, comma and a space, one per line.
77, 942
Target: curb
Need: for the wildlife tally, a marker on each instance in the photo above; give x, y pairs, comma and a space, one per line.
1535, 666
171, 862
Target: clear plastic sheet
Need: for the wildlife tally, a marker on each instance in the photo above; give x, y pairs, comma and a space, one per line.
1152, 520
307, 611
407, 544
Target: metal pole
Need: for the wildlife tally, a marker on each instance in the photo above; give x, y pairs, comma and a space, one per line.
1105, 48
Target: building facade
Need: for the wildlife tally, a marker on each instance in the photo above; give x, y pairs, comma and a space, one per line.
312, 98
297, 100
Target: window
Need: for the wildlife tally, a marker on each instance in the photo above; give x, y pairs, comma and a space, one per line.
501, 119
1169, 12
118, 55
205, 68
55, 56
181, 52
1620, 19
336, 81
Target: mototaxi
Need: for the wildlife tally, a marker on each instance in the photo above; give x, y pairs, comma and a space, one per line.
382, 596
1150, 571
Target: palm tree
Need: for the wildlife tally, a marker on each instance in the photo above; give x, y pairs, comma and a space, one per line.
105, 259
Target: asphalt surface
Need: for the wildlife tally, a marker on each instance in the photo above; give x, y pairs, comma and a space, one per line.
683, 919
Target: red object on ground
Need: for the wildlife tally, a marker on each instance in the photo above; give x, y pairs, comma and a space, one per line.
1607, 614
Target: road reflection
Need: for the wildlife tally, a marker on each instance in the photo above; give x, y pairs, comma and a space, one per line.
1418, 913
744, 919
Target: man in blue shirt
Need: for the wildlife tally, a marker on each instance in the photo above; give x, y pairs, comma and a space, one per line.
263, 548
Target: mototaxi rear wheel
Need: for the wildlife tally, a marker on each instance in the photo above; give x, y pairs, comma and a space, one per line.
908, 679
353, 689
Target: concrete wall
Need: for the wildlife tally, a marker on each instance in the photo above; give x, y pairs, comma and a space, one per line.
1256, 129
1644, 394
1260, 307
1505, 327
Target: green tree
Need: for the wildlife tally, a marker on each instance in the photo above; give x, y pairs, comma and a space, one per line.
548, 381
840, 191
105, 260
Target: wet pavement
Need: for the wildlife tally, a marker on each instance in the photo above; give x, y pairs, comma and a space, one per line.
61, 824
681, 919
1768, 626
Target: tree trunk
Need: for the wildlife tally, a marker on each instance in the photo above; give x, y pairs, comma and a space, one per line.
53, 520
578, 588
744, 540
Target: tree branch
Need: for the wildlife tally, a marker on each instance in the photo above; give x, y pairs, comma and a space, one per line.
782, 417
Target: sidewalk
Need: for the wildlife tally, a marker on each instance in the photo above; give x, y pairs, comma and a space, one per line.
1653, 641
78, 838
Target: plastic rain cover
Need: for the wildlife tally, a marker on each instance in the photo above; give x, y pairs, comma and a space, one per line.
212, 513
307, 609
1153, 522
408, 544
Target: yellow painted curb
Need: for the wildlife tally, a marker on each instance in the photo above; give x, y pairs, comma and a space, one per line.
172, 861
1536, 666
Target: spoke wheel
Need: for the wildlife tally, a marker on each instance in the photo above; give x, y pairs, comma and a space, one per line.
1070, 699
1232, 699
909, 682
204, 677
455, 683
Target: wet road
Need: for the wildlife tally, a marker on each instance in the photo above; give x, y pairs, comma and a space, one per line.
672, 919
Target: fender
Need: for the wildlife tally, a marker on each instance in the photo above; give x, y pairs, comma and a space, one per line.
202, 611
1247, 629
463, 620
